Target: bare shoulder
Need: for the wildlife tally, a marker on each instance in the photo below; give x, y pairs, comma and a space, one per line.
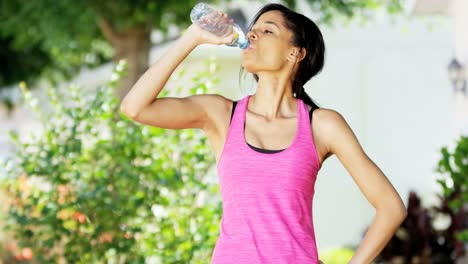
215, 101
326, 116
332, 128
330, 119
210, 102
193, 111
216, 107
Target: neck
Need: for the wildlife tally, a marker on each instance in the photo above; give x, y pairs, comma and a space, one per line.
273, 99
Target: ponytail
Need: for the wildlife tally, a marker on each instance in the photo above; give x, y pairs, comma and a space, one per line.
306, 98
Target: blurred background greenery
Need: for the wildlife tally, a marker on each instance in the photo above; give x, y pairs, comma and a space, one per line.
55, 40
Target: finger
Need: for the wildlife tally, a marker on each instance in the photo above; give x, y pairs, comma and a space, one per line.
219, 15
229, 38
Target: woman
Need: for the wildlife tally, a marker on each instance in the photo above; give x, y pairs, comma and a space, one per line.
269, 146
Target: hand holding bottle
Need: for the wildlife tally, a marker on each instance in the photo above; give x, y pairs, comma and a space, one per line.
216, 23
202, 36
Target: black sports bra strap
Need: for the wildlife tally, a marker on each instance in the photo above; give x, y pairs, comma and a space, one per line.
310, 114
232, 112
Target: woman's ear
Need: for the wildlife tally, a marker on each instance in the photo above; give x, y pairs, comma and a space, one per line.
296, 54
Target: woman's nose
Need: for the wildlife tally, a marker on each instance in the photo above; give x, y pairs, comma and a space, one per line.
251, 35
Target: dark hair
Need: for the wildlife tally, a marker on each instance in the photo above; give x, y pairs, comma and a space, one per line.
306, 35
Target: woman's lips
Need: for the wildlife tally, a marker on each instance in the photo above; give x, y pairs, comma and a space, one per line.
248, 49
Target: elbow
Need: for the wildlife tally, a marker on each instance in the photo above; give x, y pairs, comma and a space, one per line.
400, 216
396, 210
400, 213
128, 112
404, 213
401, 210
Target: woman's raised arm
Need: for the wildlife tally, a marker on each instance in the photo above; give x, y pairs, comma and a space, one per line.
141, 103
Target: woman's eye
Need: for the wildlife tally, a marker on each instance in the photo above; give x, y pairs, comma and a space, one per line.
267, 31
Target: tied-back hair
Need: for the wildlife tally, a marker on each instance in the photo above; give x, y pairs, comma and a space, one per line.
306, 35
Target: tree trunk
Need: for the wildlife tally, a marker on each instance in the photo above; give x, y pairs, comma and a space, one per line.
133, 45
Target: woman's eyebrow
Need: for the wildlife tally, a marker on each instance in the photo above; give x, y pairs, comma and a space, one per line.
273, 23
269, 22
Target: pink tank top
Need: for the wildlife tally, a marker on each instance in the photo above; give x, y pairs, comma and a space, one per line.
267, 197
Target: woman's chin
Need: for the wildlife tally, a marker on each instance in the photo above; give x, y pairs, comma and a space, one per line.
248, 67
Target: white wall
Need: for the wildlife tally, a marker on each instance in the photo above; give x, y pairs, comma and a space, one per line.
390, 83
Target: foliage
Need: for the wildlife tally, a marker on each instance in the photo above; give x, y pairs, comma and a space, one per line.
63, 33
436, 234
454, 166
67, 36
337, 255
95, 187
329, 10
414, 239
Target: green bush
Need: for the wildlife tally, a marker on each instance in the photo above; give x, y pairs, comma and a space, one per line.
90, 187
337, 255
454, 168
421, 238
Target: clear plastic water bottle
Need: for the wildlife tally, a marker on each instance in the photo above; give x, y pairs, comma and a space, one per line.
220, 29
